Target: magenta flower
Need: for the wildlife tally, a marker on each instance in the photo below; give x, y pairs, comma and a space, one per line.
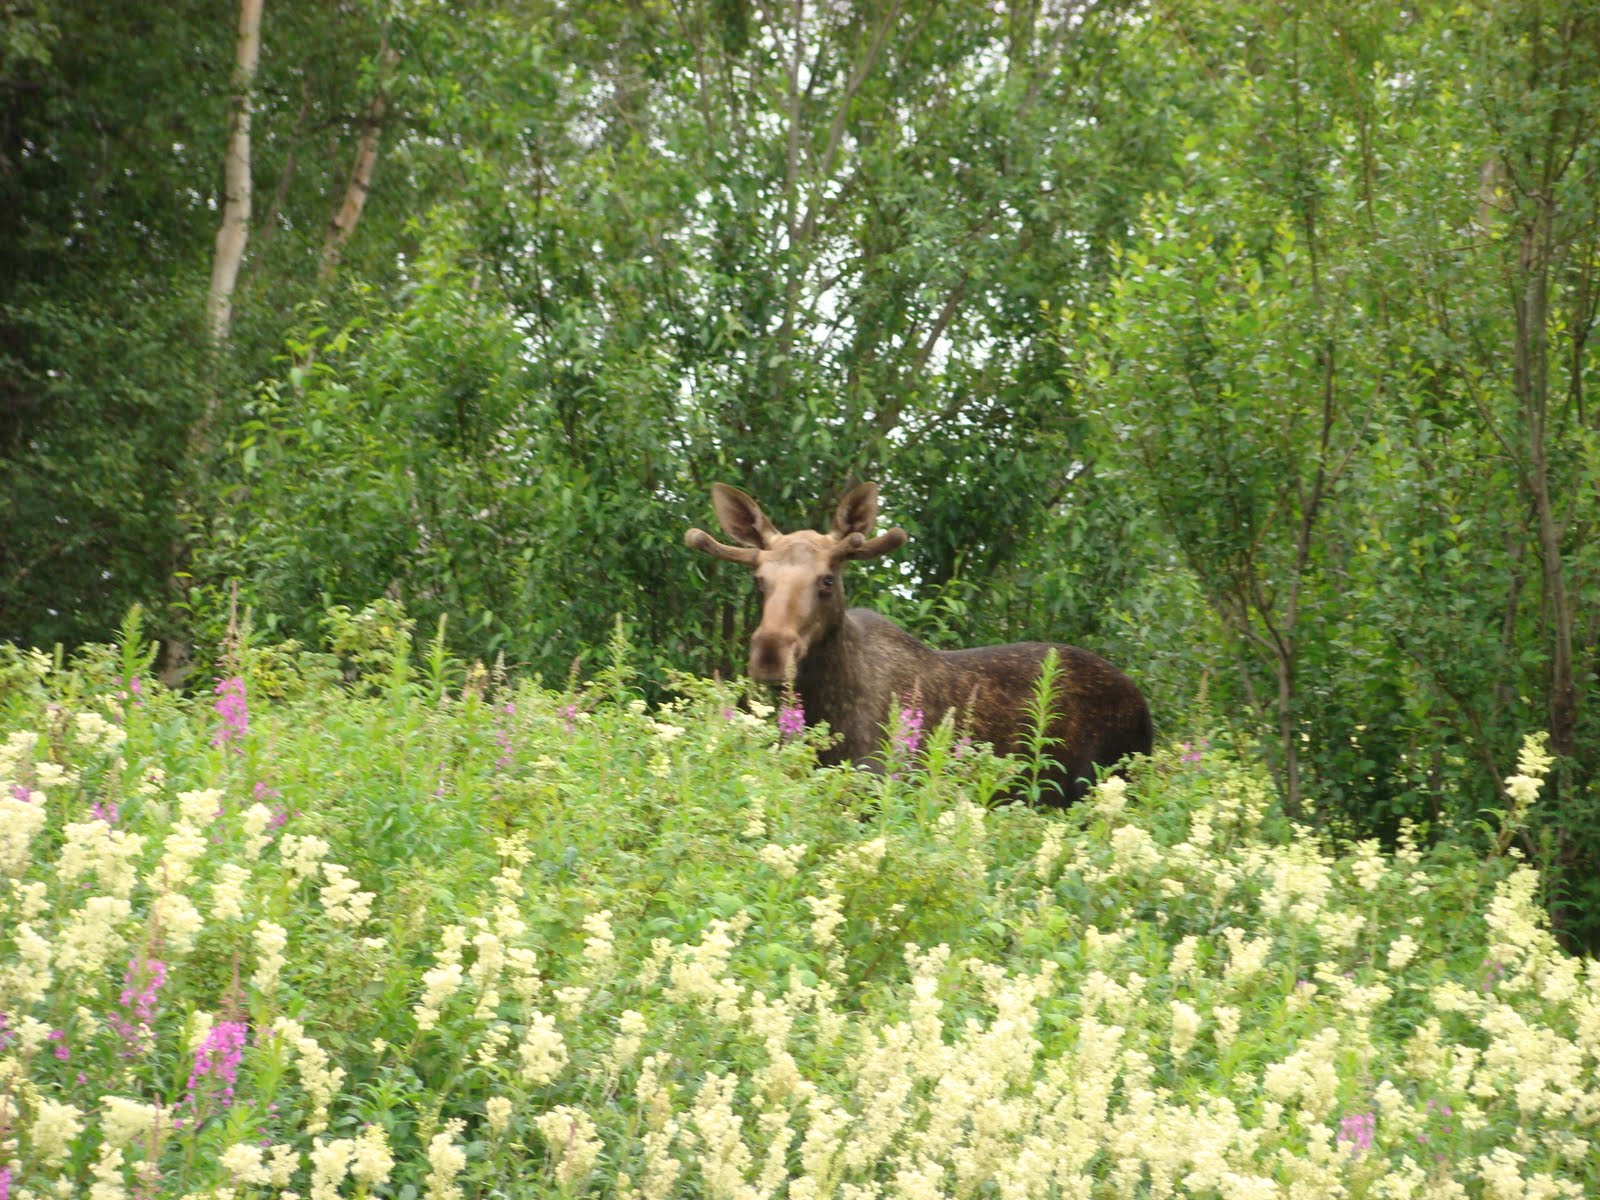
1356, 1131
502, 738
107, 811
140, 983
791, 719
20, 792
216, 1064
909, 735
233, 710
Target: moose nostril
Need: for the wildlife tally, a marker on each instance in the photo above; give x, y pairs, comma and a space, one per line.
772, 655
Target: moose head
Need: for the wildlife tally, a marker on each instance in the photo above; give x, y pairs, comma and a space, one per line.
798, 574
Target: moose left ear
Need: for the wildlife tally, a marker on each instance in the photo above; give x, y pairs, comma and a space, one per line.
857, 512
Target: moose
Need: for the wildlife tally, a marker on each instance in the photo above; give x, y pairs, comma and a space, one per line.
850, 666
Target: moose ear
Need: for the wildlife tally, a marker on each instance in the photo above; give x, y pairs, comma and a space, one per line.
857, 512
741, 516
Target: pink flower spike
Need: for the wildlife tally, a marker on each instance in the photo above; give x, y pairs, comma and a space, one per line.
909, 736
791, 720
233, 710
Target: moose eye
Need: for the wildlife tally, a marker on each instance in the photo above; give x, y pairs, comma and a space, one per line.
825, 583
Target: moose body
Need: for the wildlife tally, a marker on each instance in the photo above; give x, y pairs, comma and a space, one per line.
852, 667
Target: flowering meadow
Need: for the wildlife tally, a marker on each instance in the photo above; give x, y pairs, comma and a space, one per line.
378, 925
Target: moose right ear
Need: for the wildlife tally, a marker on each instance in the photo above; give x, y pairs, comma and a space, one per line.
741, 516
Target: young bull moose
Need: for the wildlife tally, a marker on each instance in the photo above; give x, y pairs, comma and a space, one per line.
850, 666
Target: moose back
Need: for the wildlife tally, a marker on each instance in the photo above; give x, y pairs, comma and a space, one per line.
850, 666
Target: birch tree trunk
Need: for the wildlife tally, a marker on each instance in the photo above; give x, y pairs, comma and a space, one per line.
355, 192
235, 230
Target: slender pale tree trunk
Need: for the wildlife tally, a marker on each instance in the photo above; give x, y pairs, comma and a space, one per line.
235, 229
355, 192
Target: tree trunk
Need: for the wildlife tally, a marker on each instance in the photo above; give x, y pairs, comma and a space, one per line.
235, 229
355, 192
1531, 380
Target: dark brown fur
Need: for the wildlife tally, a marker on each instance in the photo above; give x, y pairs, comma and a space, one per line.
851, 666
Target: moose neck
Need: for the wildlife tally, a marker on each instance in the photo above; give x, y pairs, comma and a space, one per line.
851, 677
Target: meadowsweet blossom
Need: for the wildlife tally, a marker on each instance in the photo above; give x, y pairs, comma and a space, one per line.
1401, 951
1225, 1031
94, 732
543, 1051
270, 941
697, 973
257, 823
573, 1142
600, 941
1246, 956
178, 919
92, 935
54, 1127
228, 892
330, 1162
439, 983
1185, 1028
1111, 796
446, 1160
318, 1076
26, 981
21, 820
342, 898
783, 860
180, 850
123, 1121
372, 1161
1182, 965
302, 854
497, 1111
246, 1163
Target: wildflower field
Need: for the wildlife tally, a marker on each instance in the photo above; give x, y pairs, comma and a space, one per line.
382, 926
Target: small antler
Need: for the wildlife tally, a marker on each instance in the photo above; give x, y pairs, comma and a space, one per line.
854, 545
699, 539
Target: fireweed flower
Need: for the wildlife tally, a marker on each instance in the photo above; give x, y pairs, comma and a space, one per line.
1356, 1131
216, 1065
791, 720
909, 735
140, 983
134, 692
233, 710
502, 739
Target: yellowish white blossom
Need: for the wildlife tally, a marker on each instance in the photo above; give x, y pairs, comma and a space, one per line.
783, 860
446, 1161
543, 1051
573, 1142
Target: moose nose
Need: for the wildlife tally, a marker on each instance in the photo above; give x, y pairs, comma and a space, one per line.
773, 656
